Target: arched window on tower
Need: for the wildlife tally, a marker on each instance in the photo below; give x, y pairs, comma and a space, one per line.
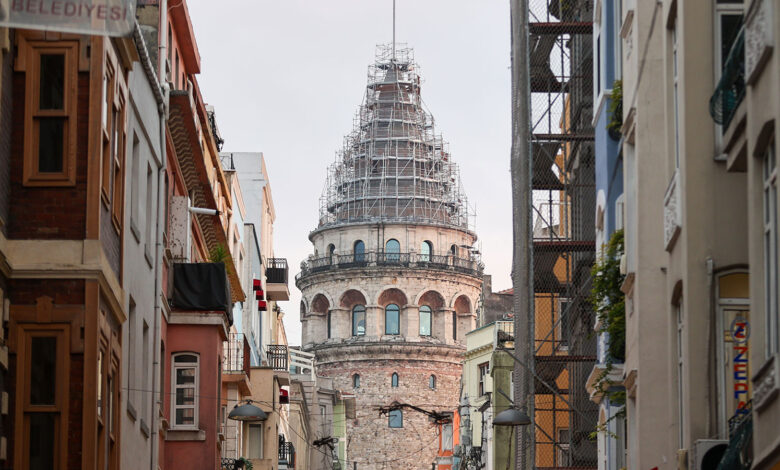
356, 381
432, 382
425, 320
392, 250
331, 252
328, 325
454, 326
426, 250
392, 320
454, 251
358, 320
394, 380
359, 250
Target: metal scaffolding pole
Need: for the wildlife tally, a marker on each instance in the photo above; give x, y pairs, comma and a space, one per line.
522, 263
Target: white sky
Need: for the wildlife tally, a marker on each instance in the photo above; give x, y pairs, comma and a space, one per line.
287, 76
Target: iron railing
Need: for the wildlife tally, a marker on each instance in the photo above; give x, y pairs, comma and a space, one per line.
287, 454
276, 271
731, 87
277, 356
235, 354
469, 266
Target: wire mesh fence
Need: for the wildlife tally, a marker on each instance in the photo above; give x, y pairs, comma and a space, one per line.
563, 190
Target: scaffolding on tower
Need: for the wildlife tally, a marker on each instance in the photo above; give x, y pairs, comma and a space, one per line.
393, 166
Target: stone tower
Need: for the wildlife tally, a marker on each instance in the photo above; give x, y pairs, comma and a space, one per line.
391, 288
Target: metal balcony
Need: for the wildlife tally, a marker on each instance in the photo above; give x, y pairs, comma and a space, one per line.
731, 87
277, 356
235, 355
276, 275
286, 455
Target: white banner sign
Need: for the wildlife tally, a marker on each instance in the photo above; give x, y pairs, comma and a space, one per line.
101, 17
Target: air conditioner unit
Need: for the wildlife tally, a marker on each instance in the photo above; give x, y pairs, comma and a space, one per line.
706, 454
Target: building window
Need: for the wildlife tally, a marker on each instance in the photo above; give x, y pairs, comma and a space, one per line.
454, 251
425, 320
356, 381
395, 419
392, 250
394, 380
331, 252
255, 441
432, 382
675, 96
113, 139
50, 113
446, 435
426, 250
359, 251
329, 334
358, 320
185, 383
770, 251
454, 326
392, 320
680, 375
563, 447
484, 370
564, 331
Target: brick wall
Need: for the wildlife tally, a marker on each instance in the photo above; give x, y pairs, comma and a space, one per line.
40, 212
370, 441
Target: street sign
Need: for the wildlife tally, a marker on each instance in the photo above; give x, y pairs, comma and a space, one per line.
99, 17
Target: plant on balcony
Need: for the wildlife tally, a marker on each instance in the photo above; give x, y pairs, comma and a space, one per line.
616, 110
219, 254
610, 305
247, 464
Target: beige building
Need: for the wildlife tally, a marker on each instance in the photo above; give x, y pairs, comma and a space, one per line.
701, 232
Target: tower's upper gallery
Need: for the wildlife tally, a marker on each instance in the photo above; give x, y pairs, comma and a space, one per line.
393, 166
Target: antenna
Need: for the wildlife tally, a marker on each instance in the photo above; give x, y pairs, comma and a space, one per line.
393, 29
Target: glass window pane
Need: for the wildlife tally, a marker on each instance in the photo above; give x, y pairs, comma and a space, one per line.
392, 320
185, 376
394, 380
255, 442
395, 419
52, 81
729, 28
185, 416
51, 143
185, 396
360, 250
358, 320
186, 358
392, 248
42, 441
43, 370
425, 320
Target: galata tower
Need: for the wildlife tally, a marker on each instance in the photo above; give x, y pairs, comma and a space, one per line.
393, 283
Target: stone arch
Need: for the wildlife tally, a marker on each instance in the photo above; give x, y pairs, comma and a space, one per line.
430, 298
320, 304
392, 295
462, 304
353, 296
304, 309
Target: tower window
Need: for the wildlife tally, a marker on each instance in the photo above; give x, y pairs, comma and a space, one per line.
392, 320
359, 251
356, 381
432, 382
395, 419
426, 250
358, 320
394, 380
425, 320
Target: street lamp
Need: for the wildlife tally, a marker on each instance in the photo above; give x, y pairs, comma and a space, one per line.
512, 417
247, 412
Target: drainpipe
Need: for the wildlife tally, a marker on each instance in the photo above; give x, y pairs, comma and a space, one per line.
712, 381
162, 108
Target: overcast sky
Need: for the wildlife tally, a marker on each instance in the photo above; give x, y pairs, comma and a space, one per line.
287, 76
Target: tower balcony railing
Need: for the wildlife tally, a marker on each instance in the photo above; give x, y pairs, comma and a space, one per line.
469, 266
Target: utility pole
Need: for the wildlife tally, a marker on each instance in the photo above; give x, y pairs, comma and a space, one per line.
522, 262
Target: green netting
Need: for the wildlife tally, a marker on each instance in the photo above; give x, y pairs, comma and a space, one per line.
739, 454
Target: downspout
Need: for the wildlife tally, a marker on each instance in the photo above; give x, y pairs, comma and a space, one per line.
712, 375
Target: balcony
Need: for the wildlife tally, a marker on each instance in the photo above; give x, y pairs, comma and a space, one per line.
468, 266
276, 275
277, 356
202, 287
731, 88
286, 454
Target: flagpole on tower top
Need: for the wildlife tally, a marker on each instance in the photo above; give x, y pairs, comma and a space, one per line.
393, 29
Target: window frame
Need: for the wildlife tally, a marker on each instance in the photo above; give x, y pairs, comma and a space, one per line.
432, 382
248, 440
24, 409
397, 414
394, 380
397, 311
355, 381
359, 256
355, 331
426, 245
174, 387
483, 370
770, 248
32, 176
429, 311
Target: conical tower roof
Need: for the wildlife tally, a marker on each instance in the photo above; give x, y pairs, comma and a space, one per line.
393, 166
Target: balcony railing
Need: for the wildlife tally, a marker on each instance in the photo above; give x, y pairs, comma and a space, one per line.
470, 266
276, 272
277, 356
731, 88
286, 454
235, 354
